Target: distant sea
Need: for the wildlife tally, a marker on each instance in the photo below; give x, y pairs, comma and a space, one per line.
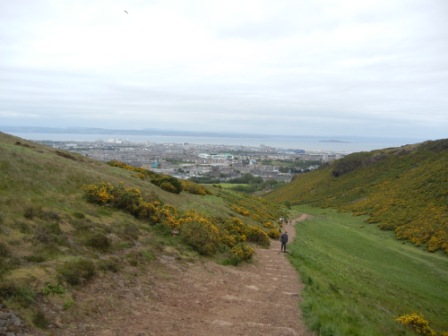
337, 144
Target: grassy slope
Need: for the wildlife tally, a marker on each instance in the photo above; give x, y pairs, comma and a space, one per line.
403, 189
45, 220
358, 279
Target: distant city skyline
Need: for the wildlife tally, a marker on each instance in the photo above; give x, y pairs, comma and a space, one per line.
293, 67
329, 143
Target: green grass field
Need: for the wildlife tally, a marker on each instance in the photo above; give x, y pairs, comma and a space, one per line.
232, 185
359, 279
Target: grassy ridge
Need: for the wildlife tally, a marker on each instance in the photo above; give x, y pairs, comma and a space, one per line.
52, 239
402, 189
359, 279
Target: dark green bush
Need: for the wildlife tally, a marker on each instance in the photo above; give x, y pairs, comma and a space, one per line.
77, 272
23, 295
136, 258
239, 253
257, 235
36, 211
168, 183
111, 265
40, 320
79, 215
50, 289
203, 237
127, 199
49, 233
31, 212
99, 241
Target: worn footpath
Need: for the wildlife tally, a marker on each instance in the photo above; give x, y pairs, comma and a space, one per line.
200, 299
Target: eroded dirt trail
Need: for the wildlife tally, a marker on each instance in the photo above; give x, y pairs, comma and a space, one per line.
198, 299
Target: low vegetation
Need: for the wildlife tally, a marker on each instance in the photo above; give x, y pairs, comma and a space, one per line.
362, 281
402, 189
248, 183
66, 220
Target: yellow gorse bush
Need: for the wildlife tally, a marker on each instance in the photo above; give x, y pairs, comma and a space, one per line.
240, 210
234, 231
401, 189
169, 216
418, 323
204, 233
240, 253
101, 193
200, 232
194, 188
165, 182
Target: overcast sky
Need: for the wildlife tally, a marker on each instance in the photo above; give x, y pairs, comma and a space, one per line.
299, 67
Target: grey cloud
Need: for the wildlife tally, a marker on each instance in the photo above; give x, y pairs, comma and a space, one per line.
303, 67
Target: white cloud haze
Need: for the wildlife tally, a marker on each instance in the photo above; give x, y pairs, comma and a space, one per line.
314, 67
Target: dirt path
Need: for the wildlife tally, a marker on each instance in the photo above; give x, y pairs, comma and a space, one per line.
197, 299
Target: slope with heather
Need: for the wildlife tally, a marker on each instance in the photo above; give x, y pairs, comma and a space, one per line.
66, 220
402, 189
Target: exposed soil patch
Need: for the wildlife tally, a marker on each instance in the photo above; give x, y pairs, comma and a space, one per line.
191, 298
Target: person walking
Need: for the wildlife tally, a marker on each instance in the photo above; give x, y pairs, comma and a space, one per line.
284, 241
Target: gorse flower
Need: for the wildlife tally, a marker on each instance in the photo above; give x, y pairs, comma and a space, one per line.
204, 233
418, 323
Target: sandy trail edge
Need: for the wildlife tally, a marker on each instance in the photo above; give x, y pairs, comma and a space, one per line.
197, 299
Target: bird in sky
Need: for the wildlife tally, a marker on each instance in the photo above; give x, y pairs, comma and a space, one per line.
126, 11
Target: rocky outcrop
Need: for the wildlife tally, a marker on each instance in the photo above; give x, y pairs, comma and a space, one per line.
11, 324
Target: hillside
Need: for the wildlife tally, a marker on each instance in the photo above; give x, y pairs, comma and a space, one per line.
403, 189
66, 219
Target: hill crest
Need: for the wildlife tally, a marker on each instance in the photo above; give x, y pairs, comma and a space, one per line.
402, 189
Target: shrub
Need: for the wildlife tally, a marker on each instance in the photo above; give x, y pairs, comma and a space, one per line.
31, 212
136, 258
50, 289
240, 253
101, 193
111, 265
79, 215
234, 232
194, 188
77, 272
127, 199
274, 233
23, 295
240, 210
418, 323
99, 241
257, 235
167, 186
198, 232
149, 210
168, 216
40, 320
168, 183
37, 257
23, 227
66, 155
68, 304
49, 233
